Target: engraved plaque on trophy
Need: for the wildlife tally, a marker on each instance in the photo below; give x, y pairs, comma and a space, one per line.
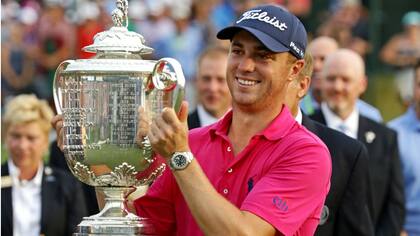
99, 100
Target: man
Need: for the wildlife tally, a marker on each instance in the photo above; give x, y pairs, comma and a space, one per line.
402, 53
256, 171
320, 48
408, 128
343, 81
213, 93
346, 208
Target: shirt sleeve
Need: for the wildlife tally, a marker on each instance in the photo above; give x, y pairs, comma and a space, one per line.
157, 205
291, 195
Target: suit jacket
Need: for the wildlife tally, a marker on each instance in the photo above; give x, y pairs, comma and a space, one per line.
386, 202
193, 120
62, 203
346, 209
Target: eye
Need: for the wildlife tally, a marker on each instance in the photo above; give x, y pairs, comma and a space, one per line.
266, 55
235, 51
206, 78
330, 78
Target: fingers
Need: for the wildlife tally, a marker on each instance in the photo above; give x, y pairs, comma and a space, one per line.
161, 133
57, 123
55, 120
183, 112
143, 125
60, 139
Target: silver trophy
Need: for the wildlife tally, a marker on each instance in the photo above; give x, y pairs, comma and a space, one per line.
99, 100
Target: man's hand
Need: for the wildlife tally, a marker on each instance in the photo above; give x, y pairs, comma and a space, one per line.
143, 125
169, 132
57, 124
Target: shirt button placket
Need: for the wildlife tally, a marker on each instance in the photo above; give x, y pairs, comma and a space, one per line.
225, 191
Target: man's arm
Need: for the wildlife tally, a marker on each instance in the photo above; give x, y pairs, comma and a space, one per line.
353, 217
218, 216
391, 221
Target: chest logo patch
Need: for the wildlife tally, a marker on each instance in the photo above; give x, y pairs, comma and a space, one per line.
250, 184
280, 203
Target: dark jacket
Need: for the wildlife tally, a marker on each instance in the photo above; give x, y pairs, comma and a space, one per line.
58, 160
386, 202
346, 206
193, 120
62, 203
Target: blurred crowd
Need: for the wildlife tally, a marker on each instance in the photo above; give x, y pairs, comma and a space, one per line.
38, 35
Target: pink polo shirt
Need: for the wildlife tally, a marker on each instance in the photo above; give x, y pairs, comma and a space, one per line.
282, 176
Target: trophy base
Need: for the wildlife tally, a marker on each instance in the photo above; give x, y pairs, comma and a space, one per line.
129, 225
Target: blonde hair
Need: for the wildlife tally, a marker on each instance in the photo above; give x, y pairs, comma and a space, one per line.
24, 109
308, 68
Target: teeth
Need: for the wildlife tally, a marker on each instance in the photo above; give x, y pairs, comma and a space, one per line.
247, 82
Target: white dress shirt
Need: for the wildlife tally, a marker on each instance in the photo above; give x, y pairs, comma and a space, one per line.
348, 126
26, 202
205, 117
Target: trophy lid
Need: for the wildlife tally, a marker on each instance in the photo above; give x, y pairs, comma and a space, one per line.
118, 39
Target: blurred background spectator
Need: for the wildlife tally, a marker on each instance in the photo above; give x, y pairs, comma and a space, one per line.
36, 199
402, 52
408, 128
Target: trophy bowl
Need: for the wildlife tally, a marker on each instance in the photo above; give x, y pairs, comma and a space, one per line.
99, 100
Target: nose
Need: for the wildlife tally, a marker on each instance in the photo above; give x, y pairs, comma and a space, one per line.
213, 85
317, 65
22, 143
246, 64
338, 85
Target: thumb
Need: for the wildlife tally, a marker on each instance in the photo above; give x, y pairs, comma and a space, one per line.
183, 112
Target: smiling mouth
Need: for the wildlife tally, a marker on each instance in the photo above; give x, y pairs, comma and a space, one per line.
244, 82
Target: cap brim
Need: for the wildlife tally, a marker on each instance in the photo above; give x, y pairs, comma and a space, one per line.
268, 41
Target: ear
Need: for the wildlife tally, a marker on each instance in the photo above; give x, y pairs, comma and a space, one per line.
363, 85
304, 84
296, 69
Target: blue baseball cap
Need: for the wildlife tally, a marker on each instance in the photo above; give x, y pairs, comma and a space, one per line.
276, 28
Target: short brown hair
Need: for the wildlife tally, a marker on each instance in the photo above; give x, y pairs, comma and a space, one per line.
212, 51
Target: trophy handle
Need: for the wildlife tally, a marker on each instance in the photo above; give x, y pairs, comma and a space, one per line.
57, 80
167, 75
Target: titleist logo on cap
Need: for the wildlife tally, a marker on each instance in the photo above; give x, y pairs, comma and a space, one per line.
263, 16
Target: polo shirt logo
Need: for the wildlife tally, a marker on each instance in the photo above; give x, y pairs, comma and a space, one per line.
280, 203
250, 184
263, 17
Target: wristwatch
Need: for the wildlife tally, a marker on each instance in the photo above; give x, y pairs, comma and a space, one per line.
180, 160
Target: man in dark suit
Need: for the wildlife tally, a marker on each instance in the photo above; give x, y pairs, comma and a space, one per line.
213, 93
346, 208
343, 81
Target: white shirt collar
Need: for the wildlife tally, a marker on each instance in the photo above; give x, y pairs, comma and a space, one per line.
205, 117
299, 117
15, 172
335, 122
